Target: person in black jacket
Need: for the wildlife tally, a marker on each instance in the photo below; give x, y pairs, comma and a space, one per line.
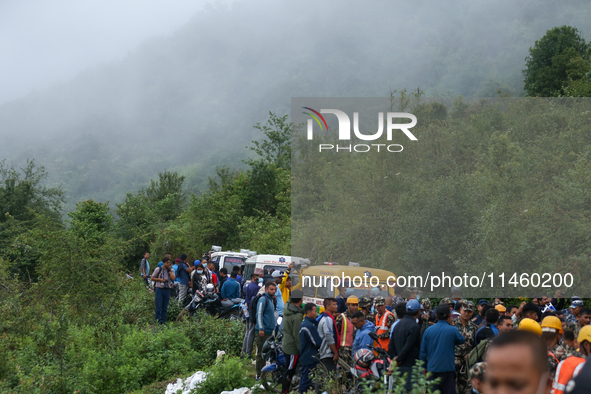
310, 342
405, 342
490, 330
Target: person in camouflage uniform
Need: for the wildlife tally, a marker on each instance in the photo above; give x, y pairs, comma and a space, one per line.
551, 333
571, 352
428, 317
468, 330
583, 319
411, 293
352, 307
477, 375
383, 337
559, 351
571, 313
365, 304
568, 343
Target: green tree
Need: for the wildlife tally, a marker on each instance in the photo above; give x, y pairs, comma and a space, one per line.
91, 220
166, 195
546, 66
22, 199
579, 78
135, 225
22, 193
276, 148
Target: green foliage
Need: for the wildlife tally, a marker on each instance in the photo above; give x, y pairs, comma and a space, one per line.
142, 214
135, 226
91, 220
22, 193
496, 186
241, 209
421, 382
22, 197
110, 354
549, 60
276, 148
226, 374
166, 195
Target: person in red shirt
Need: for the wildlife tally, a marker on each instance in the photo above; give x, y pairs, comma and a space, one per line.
213, 278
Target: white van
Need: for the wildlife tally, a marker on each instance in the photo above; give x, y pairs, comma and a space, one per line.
228, 259
272, 261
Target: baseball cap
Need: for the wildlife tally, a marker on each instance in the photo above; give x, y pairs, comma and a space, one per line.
276, 274
576, 302
412, 306
482, 302
296, 294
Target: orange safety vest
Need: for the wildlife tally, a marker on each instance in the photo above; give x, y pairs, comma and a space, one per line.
381, 328
346, 332
565, 372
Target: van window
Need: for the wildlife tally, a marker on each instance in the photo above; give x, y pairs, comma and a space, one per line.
360, 292
295, 278
309, 291
324, 292
249, 270
270, 267
230, 262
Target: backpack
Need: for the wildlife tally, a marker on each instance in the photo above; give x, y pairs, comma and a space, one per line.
252, 308
476, 355
167, 284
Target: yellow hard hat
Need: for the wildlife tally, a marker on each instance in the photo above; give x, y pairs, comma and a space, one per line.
528, 324
584, 334
352, 300
500, 308
552, 323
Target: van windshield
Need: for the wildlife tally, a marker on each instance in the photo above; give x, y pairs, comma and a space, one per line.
270, 267
231, 262
360, 292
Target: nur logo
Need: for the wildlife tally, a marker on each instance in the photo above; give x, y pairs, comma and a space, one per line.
345, 129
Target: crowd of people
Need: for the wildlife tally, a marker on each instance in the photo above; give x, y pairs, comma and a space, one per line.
179, 279
483, 347
487, 347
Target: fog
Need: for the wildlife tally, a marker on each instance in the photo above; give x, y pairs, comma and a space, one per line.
44, 42
107, 94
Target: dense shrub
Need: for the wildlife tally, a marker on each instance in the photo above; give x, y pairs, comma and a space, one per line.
226, 375
111, 358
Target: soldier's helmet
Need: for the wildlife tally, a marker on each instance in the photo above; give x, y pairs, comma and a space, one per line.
365, 302
468, 305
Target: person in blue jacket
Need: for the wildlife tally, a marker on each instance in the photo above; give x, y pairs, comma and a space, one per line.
310, 342
438, 350
231, 288
364, 327
265, 322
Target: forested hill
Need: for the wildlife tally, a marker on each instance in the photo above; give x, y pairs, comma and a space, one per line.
188, 102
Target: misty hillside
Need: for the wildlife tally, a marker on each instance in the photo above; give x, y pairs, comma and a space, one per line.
188, 102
